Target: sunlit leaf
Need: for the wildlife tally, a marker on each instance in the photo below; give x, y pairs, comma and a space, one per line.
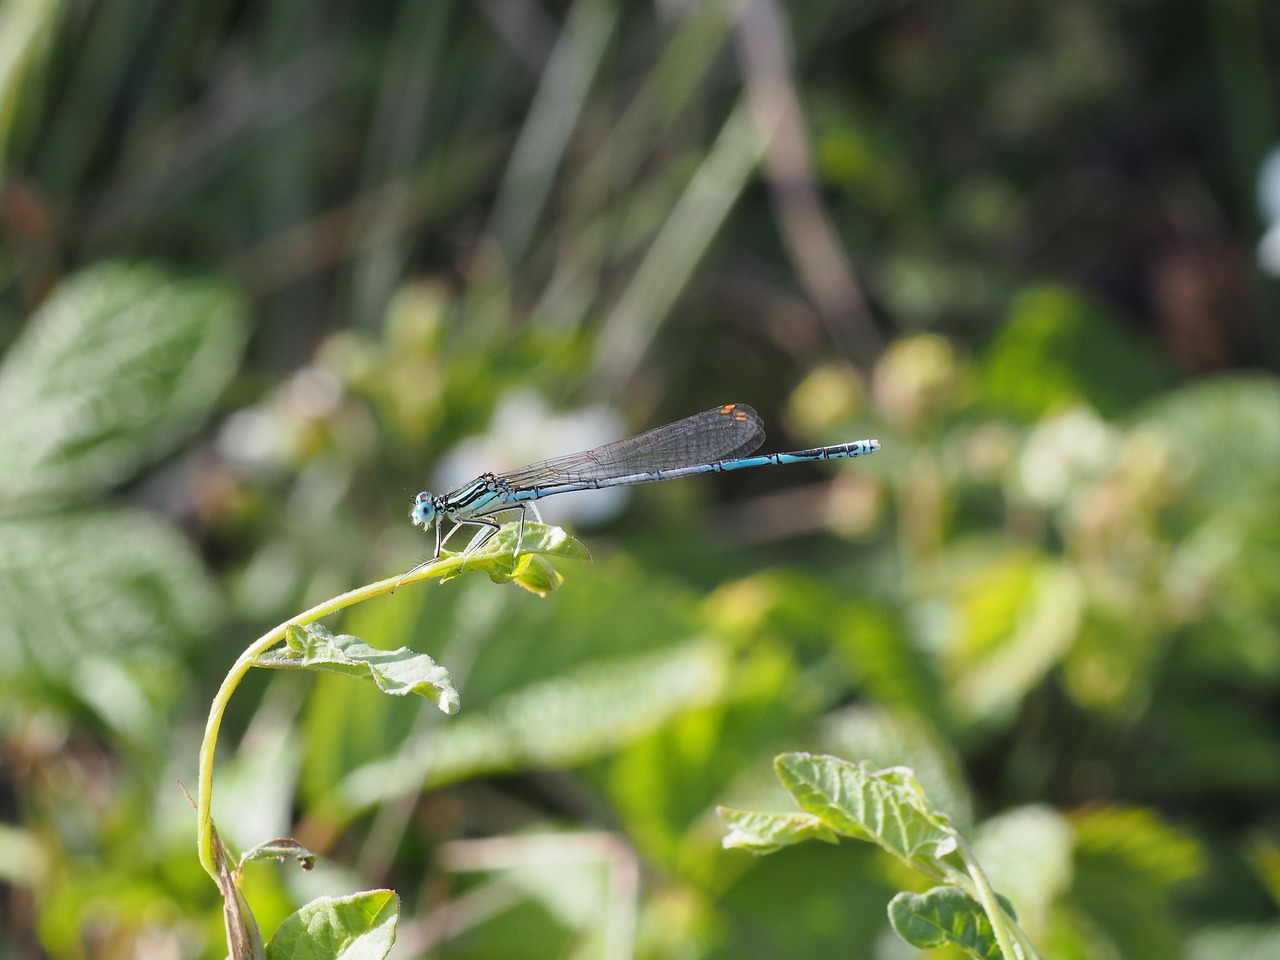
662, 784
888, 736
1057, 349
529, 570
117, 367
762, 832
874, 644
536, 574
359, 927
1138, 840
880, 655
553, 723
82, 593
510, 641
886, 807
1227, 431
1264, 859
1109, 664
1127, 864
397, 672
1015, 618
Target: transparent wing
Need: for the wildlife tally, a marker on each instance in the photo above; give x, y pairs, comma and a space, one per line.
724, 433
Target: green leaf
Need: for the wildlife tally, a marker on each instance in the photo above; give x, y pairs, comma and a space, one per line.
886, 807
872, 641
1127, 863
1109, 666
100, 582
537, 575
945, 915
1228, 431
283, 848
117, 367
894, 736
82, 592
397, 672
1015, 618
553, 723
359, 927
530, 571
1232, 561
27, 28
1149, 850
762, 832
1058, 348
813, 901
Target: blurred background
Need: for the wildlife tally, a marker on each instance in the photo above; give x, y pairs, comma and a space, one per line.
268, 270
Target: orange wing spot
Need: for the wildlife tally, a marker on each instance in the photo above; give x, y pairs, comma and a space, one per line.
728, 408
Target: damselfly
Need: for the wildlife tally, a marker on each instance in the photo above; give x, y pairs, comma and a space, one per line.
715, 441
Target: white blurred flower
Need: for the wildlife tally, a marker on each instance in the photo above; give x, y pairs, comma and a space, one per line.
523, 430
266, 436
1065, 451
1269, 207
1269, 251
1269, 186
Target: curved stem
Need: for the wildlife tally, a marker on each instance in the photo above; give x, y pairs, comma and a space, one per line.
1000, 920
204, 793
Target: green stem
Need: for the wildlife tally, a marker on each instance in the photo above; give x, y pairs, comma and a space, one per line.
987, 897
204, 794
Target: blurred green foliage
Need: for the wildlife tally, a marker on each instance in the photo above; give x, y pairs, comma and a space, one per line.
263, 272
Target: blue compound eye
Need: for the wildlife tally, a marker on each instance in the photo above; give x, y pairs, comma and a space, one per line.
424, 509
